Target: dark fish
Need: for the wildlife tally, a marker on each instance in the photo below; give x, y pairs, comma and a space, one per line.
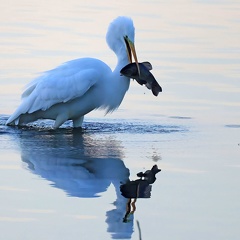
145, 77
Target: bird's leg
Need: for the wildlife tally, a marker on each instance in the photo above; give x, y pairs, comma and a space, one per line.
77, 122
61, 118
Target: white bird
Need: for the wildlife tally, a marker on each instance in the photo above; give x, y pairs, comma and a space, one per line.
77, 87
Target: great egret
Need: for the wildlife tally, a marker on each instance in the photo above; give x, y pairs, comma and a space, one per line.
77, 87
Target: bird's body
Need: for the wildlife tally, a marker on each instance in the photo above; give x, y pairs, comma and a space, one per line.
77, 87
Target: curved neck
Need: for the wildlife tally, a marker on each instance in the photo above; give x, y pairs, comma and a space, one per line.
118, 83
122, 60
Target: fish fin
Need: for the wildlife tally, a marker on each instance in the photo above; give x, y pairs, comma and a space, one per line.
156, 88
148, 85
148, 65
141, 82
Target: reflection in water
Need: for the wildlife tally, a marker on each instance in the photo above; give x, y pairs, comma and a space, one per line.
139, 188
73, 161
83, 165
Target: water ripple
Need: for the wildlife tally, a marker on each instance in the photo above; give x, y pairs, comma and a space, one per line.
232, 125
97, 126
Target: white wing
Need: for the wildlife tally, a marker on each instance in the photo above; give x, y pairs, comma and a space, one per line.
70, 80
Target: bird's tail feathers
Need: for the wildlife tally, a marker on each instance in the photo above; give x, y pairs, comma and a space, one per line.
22, 109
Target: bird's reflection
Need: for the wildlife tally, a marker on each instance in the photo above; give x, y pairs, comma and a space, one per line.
79, 164
84, 165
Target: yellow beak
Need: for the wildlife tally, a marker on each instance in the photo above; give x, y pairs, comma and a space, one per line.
131, 51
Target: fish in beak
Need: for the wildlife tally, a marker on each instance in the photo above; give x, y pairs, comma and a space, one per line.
131, 51
145, 78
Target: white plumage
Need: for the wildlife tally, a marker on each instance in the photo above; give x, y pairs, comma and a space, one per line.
77, 87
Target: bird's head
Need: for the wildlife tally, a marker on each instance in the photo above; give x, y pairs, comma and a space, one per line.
120, 38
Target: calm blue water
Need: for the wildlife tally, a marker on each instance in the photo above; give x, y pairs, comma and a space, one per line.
65, 184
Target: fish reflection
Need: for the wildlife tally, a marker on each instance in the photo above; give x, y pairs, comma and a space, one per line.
83, 165
140, 188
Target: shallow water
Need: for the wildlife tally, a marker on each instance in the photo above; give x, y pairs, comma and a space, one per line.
65, 184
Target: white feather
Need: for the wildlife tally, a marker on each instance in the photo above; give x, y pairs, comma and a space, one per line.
77, 87
62, 84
